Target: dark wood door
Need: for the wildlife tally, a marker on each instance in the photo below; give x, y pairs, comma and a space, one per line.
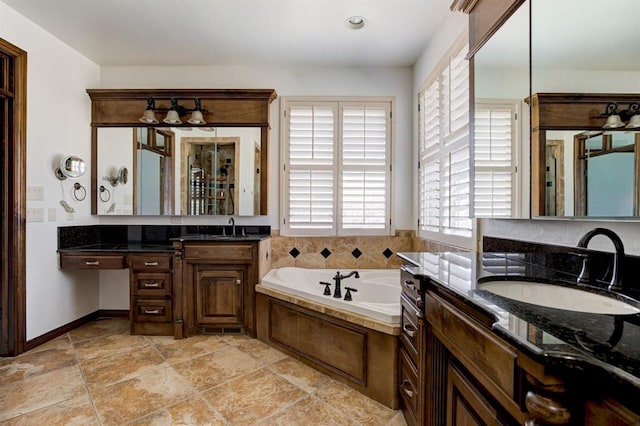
465, 404
219, 296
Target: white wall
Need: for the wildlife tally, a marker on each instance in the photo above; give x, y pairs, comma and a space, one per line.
291, 81
58, 117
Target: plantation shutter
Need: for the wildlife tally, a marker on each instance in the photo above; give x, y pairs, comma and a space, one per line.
494, 165
311, 168
445, 157
365, 182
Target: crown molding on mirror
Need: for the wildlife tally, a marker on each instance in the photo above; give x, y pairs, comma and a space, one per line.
485, 18
583, 114
222, 109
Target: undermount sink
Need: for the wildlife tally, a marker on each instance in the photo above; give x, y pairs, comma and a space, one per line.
558, 297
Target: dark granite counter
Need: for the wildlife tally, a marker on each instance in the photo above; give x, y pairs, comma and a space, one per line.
149, 238
601, 349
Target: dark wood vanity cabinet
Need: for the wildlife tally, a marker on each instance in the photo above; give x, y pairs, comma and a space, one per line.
218, 282
151, 293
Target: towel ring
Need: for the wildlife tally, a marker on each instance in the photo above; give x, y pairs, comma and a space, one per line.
79, 192
104, 198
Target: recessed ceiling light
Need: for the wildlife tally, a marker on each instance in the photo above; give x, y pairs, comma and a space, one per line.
355, 22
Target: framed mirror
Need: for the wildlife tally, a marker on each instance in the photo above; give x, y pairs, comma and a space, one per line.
219, 167
581, 62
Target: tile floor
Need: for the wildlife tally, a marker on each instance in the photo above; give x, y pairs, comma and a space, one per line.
98, 374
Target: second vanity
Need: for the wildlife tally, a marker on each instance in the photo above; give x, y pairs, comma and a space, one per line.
469, 356
182, 280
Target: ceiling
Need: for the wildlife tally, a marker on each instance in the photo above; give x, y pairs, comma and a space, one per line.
239, 32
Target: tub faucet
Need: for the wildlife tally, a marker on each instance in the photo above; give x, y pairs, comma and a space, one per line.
232, 222
618, 256
337, 293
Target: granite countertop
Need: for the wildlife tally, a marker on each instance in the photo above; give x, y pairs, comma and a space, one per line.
222, 238
599, 346
120, 248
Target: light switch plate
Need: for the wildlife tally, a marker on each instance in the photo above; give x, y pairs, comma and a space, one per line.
51, 214
35, 214
35, 193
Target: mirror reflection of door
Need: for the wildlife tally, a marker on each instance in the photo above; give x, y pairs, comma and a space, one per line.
554, 180
211, 168
606, 174
154, 171
256, 177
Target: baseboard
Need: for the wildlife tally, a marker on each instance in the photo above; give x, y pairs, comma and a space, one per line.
30, 344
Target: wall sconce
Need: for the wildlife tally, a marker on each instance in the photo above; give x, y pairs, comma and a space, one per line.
616, 119
174, 112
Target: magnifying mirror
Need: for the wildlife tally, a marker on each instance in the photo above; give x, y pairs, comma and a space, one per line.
71, 167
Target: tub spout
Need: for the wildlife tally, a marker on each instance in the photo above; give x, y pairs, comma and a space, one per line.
337, 292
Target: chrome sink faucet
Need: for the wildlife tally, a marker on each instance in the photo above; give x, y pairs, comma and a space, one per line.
337, 292
618, 256
232, 222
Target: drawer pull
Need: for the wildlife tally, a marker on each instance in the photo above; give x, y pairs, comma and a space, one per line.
409, 329
155, 284
239, 282
92, 263
404, 385
152, 311
151, 263
410, 285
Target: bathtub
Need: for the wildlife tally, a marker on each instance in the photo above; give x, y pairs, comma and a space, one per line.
378, 295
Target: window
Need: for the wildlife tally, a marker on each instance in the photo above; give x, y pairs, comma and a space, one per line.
445, 159
494, 154
336, 164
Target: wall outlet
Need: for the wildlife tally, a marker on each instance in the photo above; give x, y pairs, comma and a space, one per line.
35, 214
35, 193
177, 220
51, 214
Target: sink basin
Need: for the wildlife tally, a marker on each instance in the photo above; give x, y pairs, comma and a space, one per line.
558, 297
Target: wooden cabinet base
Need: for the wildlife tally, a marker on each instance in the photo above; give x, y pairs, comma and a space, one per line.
152, 328
364, 359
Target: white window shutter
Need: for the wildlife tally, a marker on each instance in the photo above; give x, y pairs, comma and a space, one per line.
494, 160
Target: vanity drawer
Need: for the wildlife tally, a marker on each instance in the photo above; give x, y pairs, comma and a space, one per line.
153, 310
483, 354
410, 333
408, 388
410, 286
213, 251
92, 261
150, 263
155, 284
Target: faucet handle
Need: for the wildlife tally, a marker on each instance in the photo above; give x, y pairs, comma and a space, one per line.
327, 290
347, 295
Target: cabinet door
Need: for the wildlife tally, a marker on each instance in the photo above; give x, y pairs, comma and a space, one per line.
465, 404
219, 296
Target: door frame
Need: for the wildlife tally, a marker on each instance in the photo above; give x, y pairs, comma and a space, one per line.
13, 162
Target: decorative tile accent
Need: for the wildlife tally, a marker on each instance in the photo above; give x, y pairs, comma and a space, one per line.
325, 252
387, 253
294, 252
356, 253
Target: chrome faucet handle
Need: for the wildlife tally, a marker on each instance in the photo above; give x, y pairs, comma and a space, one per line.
347, 295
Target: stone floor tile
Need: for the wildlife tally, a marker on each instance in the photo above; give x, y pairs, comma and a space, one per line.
40, 391
128, 400
249, 398
355, 405
31, 364
264, 353
178, 351
104, 371
111, 345
309, 411
100, 327
73, 412
217, 367
397, 420
191, 412
300, 374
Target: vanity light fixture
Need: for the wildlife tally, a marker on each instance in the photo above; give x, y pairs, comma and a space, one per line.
355, 22
174, 112
616, 119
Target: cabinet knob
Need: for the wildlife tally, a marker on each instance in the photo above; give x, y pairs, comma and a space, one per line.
239, 282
